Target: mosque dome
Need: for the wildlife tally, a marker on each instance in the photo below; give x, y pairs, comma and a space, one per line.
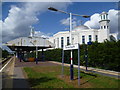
81, 27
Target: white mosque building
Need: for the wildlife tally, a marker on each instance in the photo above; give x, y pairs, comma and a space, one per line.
83, 34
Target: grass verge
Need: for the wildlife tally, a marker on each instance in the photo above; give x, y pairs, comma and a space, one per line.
50, 77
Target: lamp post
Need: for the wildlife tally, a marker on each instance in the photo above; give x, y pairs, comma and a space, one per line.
70, 15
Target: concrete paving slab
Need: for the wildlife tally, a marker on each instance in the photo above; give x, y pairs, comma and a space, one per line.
19, 81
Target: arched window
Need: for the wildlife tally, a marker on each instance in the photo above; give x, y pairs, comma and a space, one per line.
68, 41
62, 42
96, 37
104, 27
83, 39
104, 17
90, 38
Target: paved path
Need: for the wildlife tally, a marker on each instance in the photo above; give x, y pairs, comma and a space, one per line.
19, 81
94, 70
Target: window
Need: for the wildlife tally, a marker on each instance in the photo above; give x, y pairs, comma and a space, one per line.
104, 17
62, 42
101, 27
90, 38
101, 17
107, 27
104, 27
83, 39
96, 37
68, 41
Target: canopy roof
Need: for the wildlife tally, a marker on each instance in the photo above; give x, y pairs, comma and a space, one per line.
29, 44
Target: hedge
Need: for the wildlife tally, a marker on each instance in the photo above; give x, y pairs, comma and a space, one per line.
101, 55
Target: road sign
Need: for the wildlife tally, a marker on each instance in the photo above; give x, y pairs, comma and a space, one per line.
71, 47
89, 43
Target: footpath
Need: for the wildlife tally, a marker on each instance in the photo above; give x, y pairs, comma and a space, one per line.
19, 80
94, 70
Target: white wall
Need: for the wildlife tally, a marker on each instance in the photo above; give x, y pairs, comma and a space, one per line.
78, 34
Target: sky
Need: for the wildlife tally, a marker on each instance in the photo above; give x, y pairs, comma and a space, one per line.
17, 17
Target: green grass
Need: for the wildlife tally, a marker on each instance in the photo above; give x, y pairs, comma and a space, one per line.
44, 80
49, 77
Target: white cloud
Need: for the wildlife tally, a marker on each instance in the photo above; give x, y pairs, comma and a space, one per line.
39, 33
94, 21
66, 22
113, 16
21, 17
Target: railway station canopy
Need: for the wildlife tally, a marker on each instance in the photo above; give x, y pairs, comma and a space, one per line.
29, 44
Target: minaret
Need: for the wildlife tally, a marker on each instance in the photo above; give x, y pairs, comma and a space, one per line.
31, 32
104, 23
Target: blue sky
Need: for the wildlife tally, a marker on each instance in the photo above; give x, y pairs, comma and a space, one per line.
48, 22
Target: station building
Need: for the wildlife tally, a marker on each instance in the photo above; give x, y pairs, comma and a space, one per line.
83, 34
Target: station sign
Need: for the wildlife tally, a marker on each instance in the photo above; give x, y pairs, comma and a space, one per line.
71, 47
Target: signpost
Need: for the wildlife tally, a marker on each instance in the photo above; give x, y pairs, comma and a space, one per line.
72, 47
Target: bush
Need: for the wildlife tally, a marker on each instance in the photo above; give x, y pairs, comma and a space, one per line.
101, 55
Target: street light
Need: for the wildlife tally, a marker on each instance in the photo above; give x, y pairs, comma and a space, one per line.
85, 16
54, 9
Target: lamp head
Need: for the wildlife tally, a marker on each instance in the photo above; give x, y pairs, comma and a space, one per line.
53, 9
86, 16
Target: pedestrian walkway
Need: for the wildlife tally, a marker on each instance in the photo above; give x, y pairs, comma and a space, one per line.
19, 81
94, 70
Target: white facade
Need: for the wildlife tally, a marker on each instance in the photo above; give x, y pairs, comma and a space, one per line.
83, 34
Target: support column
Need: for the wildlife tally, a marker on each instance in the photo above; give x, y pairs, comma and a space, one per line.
71, 67
62, 63
36, 55
42, 55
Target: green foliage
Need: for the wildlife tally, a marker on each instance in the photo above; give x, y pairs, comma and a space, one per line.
101, 55
5, 53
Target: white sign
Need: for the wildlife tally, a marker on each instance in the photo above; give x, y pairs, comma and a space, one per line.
71, 47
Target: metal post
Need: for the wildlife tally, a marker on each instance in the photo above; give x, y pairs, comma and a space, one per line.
70, 28
42, 55
78, 64
62, 63
71, 58
20, 56
86, 57
36, 54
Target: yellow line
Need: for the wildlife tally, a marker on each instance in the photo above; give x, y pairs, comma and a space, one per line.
92, 69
